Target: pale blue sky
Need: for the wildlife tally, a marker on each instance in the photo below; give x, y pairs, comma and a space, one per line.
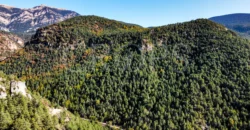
144, 12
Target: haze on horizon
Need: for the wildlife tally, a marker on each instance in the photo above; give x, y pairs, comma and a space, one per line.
144, 12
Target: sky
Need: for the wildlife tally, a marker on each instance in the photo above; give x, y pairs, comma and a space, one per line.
146, 13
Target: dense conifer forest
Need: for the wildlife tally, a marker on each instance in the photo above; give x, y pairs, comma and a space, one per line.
192, 75
18, 112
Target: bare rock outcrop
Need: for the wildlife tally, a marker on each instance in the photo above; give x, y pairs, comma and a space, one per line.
9, 43
19, 20
3, 93
146, 45
12, 88
19, 87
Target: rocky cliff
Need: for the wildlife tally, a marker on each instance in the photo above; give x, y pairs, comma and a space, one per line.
27, 20
9, 43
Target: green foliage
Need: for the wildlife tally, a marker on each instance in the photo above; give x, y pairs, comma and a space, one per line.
18, 112
196, 76
21, 113
81, 29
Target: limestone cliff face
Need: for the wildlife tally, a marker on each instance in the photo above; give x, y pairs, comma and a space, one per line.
9, 43
18, 20
146, 45
12, 88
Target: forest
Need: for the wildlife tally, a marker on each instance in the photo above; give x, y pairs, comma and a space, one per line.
192, 75
18, 112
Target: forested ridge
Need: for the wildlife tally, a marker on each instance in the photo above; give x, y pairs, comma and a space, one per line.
192, 75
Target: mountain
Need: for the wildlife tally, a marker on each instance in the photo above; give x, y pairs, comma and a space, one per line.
81, 29
238, 22
28, 20
9, 44
192, 75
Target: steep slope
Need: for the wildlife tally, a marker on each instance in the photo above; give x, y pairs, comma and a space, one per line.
9, 43
192, 75
5, 15
27, 20
19, 112
237, 22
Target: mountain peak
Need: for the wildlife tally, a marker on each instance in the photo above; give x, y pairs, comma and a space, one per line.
42, 5
46, 6
6, 6
28, 20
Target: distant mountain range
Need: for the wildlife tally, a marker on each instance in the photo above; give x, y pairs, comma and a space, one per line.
238, 22
19, 20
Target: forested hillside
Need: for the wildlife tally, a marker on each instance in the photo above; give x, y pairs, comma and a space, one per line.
81, 29
19, 112
192, 75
